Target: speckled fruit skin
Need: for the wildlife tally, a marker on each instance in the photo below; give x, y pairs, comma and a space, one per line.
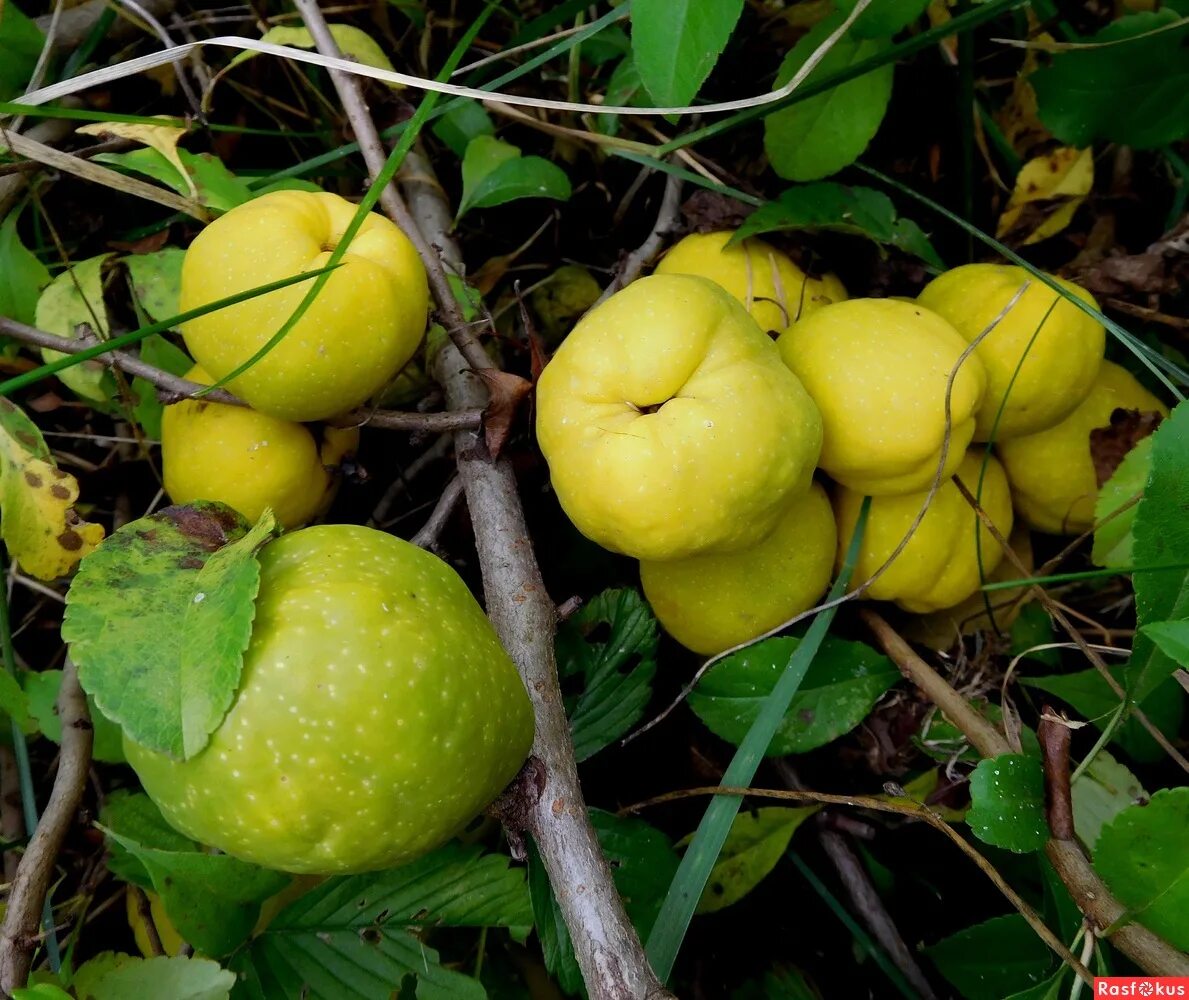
376, 716
1058, 369
877, 369
248, 460
1052, 474
940, 565
365, 324
775, 291
710, 470
713, 602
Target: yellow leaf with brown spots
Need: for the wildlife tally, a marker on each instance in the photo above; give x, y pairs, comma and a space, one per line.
163, 138
1049, 190
37, 519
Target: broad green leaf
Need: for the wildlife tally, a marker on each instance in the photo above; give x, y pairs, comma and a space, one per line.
159, 352
1034, 628
1142, 858
218, 188
1100, 793
41, 991
616, 673
990, 960
14, 702
162, 138
840, 688
347, 939
1113, 541
136, 817
122, 977
159, 617
37, 519
1053, 988
212, 899
22, 275
156, 281
756, 843
42, 688
780, 984
676, 43
72, 300
557, 948
21, 42
1161, 539
820, 135
1172, 638
1134, 92
494, 172
624, 89
884, 18
461, 124
1007, 803
859, 211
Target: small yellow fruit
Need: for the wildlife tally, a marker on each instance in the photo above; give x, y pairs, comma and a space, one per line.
713, 602
1052, 475
171, 940
671, 426
365, 324
939, 566
1059, 367
878, 371
775, 291
249, 461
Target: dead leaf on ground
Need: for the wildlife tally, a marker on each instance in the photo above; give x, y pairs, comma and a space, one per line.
1049, 190
711, 212
506, 391
1110, 445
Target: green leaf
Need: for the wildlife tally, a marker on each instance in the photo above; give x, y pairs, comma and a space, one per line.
21, 42
1100, 793
1032, 628
1142, 858
1161, 539
840, 688
780, 984
624, 89
42, 689
156, 281
157, 351
826, 205
556, 946
135, 816
41, 991
217, 187
158, 619
461, 124
14, 702
494, 172
677, 42
1172, 638
1113, 540
616, 673
819, 136
346, 939
73, 299
1134, 92
1007, 803
22, 275
990, 960
884, 18
756, 843
109, 976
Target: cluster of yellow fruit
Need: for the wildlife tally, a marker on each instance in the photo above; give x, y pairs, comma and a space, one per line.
678, 433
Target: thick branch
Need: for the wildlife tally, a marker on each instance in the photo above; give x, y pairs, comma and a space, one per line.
18, 936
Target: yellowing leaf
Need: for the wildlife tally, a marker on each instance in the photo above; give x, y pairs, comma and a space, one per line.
353, 42
163, 138
74, 298
37, 518
1055, 186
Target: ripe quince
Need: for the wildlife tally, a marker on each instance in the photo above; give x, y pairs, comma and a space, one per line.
940, 565
671, 426
1056, 365
709, 603
878, 369
248, 460
377, 713
364, 325
775, 290
1053, 479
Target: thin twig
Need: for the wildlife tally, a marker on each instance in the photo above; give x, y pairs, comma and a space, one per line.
427, 537
666, 221
1055, 736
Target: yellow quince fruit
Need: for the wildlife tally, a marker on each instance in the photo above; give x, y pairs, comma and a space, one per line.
1056, 347
940, 566
671, 426
357, 334
1053, 478
248, 460
878, 370
775, 291
709, 603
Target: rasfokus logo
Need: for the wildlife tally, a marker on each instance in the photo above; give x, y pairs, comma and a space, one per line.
1142, 986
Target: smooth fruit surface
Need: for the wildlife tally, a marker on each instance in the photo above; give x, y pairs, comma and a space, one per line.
249, 461
940, 565
1053, 479
1059, 362
364, 325
773, 289
878, 370
670, 424
713, 602
377, 713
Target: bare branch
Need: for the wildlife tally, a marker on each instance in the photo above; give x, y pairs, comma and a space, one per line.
666, 220
427, 537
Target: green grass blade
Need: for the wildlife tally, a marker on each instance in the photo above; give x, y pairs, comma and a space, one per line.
678, 908
1088, 574
689, 176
